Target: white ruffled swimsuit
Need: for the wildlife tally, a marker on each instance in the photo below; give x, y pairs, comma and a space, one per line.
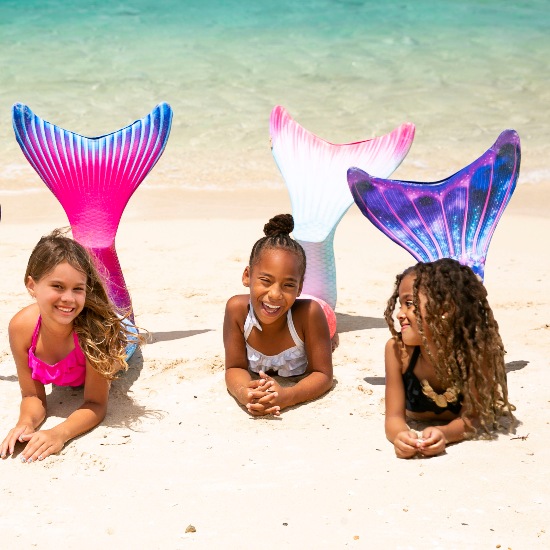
290, 362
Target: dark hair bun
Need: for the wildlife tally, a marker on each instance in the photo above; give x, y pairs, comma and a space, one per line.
279, 224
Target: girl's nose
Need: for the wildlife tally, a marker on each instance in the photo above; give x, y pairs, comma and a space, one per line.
400, 314
67, 296
275, 291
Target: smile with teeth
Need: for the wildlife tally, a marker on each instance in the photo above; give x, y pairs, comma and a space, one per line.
270, 309
65, 309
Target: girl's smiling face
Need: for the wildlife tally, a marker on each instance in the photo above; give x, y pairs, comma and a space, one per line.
406, 314
275, 282
60, 294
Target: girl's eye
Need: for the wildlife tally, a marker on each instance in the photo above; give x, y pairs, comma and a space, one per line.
409, 303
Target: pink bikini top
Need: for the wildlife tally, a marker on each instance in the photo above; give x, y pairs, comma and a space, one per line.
70, 371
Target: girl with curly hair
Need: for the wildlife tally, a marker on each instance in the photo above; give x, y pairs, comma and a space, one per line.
269, 330
71, 336
447, 361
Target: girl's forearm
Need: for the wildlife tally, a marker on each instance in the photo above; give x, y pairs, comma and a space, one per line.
393, 426
237, 380
454, 431
310, 387
88, 416
32, 411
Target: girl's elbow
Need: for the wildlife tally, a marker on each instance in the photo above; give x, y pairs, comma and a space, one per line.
327, 383
235, 374
99, 408
100, 415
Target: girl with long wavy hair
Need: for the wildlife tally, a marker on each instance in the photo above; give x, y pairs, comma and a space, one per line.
445, 367
71, 336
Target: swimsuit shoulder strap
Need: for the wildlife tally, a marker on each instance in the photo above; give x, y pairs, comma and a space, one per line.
78, 351
290, 322
36, 332
414, 359
250, 322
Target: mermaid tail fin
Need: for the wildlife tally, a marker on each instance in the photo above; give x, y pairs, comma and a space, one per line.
315, 174
93, 178
451, 218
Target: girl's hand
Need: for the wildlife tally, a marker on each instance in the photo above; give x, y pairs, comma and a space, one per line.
406, 444
433, 442
40, 445
14, 435
264, 396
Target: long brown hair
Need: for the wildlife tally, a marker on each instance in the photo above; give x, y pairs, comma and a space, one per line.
102, 334
470, 352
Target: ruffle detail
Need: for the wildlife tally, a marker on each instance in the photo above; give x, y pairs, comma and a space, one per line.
291, 362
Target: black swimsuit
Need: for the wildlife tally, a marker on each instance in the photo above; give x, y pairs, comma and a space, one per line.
415, 399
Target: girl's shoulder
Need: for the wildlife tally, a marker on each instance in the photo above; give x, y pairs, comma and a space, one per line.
304, 307
397, 354
307, 314
23, 323
28, 316
237, 306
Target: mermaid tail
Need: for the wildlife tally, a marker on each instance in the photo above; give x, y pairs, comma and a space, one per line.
451, 218
93, 178
315, 174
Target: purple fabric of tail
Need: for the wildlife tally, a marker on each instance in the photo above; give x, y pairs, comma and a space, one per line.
453, 218
93, 178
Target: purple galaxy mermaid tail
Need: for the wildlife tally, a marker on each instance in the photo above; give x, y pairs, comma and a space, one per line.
93, 178
315, 174
451, 218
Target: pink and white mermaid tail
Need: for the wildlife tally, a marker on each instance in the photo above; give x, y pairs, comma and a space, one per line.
93, 179
314, 171
452, 218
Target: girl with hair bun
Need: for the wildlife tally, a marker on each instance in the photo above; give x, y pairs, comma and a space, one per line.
269, 331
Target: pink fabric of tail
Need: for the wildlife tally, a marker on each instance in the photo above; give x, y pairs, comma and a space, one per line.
315, 172
93, 178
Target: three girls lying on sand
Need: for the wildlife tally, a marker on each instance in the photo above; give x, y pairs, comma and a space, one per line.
444, 367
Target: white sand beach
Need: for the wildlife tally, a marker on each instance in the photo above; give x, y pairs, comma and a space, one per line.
176, 450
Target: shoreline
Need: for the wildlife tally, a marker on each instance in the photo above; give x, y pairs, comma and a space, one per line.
150, 204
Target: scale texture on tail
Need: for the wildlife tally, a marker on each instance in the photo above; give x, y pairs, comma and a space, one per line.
320, 268
453, 218
93, 178
314, 171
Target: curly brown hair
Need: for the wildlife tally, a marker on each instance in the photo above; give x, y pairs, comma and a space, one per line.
277, 235
102, 332
462, 327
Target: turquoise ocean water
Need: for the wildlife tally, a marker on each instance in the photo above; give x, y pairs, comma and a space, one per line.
462, 71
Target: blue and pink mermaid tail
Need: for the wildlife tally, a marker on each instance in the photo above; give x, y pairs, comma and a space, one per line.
315, 171
455, 217
93, 179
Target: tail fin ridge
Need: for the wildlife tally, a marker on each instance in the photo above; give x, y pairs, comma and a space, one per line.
455, 217
93, 178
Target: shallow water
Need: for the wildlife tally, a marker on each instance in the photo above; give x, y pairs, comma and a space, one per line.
345, 69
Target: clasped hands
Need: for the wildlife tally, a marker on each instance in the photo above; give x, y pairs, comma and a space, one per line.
430, 443
264, 396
